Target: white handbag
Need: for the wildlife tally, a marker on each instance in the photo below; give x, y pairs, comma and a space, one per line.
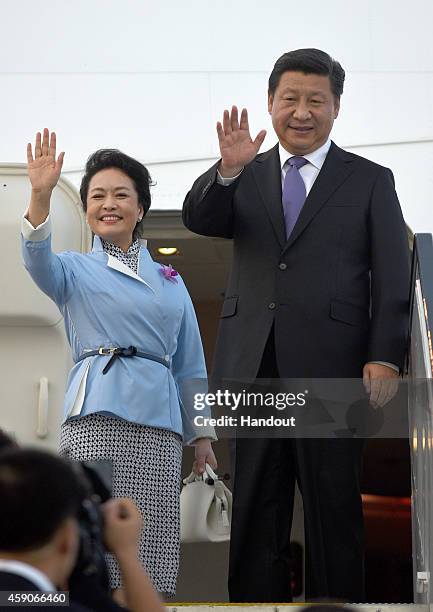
205, 508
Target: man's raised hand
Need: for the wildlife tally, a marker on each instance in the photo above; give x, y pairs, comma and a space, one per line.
236, 145
44, 170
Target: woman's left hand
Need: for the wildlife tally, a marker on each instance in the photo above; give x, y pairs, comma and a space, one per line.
203, 454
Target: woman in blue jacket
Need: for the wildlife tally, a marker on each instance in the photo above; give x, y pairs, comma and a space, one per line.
135, 344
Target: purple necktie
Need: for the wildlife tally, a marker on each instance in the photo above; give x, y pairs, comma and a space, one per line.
294, 193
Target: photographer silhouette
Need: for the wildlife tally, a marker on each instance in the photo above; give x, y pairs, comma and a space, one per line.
39, 535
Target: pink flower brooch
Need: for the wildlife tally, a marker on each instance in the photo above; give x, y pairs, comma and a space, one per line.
169, 272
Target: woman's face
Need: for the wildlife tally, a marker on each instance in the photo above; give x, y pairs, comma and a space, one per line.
112, 207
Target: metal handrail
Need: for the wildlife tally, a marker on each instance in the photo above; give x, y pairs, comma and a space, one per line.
422, 268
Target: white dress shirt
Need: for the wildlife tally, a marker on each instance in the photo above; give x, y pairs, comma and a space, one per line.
29, 572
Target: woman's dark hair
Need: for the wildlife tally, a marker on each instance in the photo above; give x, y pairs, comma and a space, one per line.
137, 172
308, 61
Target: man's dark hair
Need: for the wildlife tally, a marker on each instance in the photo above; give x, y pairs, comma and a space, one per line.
6, 441
308, 61
137, 172
38, 491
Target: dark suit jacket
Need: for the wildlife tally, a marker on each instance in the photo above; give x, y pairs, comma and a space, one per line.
336, 291
12, 582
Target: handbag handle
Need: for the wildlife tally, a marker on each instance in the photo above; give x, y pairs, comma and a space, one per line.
207, 474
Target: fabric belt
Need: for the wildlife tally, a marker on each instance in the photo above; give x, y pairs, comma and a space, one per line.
119, 351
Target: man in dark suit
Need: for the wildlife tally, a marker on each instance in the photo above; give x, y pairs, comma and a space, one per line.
318, 289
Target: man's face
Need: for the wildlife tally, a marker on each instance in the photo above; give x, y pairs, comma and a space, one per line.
303, 109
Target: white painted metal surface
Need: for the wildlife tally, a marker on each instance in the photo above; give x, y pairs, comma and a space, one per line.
152, 78
34, 355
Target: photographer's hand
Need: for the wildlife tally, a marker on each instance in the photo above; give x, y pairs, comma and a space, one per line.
123, 524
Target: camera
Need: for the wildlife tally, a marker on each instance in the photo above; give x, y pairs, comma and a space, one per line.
96, 478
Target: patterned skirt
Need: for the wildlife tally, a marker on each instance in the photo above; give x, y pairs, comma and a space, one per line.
146, 468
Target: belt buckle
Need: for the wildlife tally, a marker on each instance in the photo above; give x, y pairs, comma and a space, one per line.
106, 351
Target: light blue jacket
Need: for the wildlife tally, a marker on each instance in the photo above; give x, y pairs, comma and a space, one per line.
105, 304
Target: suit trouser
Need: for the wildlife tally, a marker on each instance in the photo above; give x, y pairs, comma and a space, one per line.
328, 476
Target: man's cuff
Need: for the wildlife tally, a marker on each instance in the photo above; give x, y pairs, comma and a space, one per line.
35, 234
221, 180
388, 365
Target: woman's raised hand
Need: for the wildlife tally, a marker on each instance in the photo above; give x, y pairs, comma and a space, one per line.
44, 169
236, 145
